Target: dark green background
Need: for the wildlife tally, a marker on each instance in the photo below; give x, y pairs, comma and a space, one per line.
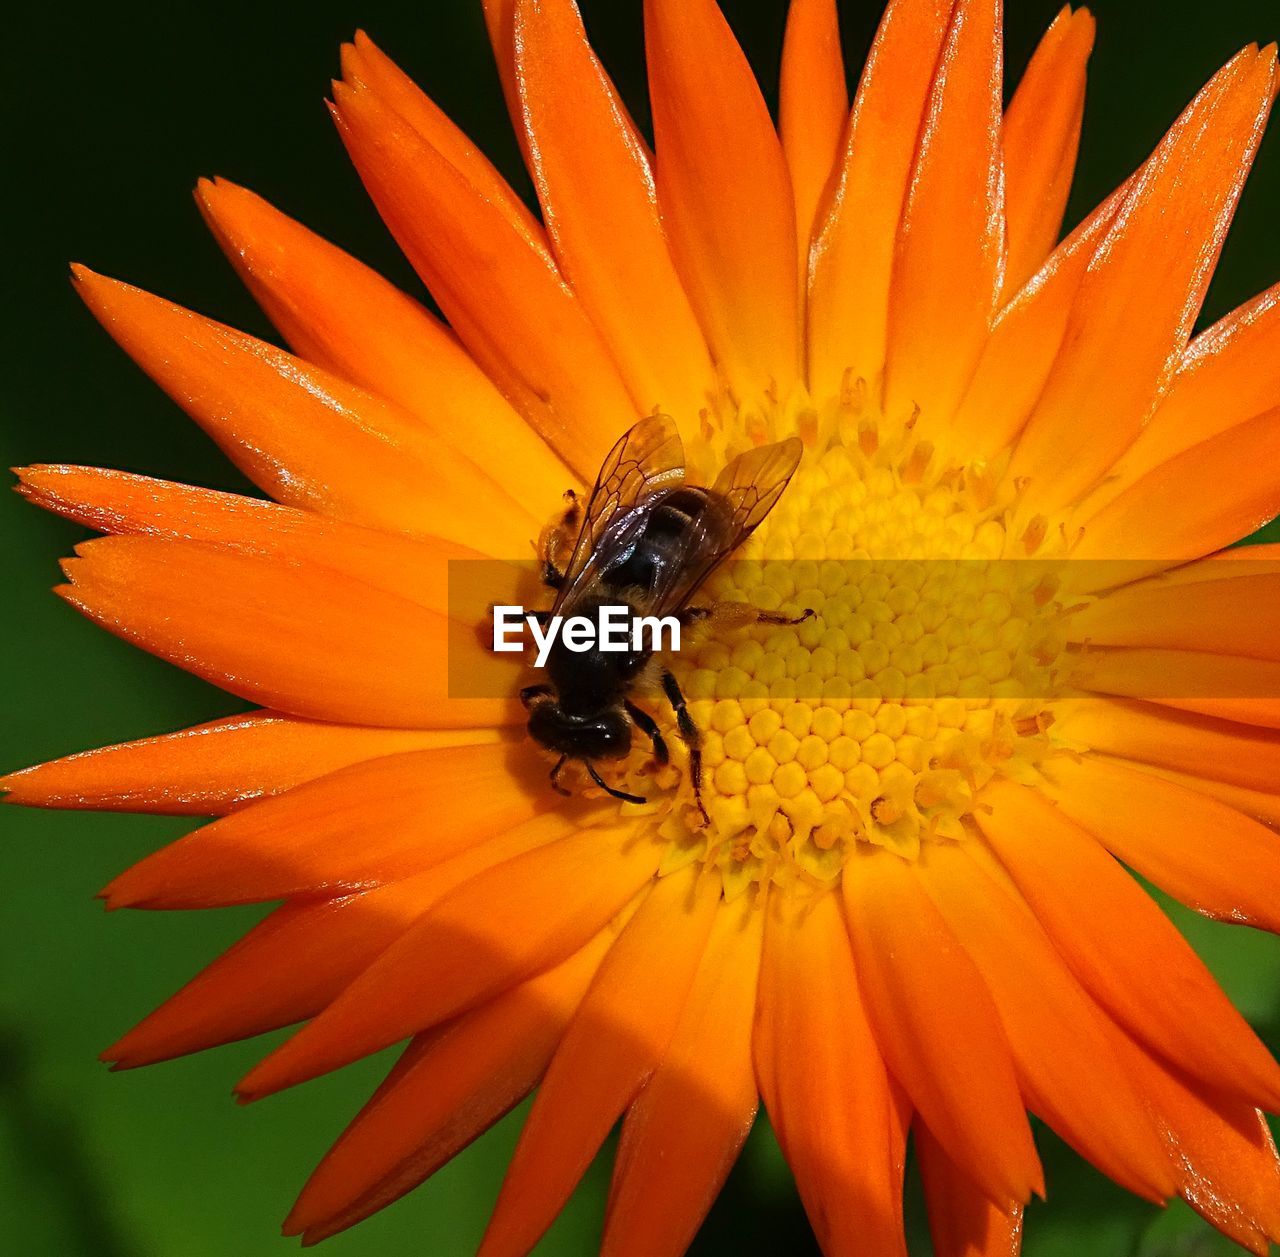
110, 114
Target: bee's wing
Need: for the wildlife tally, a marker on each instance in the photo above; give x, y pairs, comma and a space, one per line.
649, 456
753, 482
749, 487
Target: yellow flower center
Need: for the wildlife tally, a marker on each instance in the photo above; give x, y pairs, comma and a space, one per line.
925, 671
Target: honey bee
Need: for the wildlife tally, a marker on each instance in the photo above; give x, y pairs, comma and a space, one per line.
646, 543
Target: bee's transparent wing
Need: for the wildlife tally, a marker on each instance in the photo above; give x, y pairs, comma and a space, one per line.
649, 456
753, 482
747, 490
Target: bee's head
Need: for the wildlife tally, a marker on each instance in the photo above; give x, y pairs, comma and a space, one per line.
603, 734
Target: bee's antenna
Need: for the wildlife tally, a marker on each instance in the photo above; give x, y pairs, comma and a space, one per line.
608, 789
555, 773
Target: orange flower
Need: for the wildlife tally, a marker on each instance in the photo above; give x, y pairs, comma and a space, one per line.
908, 914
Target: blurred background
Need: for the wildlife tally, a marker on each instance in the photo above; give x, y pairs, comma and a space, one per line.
111, 113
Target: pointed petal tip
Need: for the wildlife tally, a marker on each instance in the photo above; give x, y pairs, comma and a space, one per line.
309, 1221
11, 784
115, 896
207, 189
297, 1220
223, 200
1085, 23
306, 1222
96, 289
263, 1080
31, 475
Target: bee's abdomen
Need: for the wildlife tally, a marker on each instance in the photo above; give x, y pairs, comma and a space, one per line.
662, 542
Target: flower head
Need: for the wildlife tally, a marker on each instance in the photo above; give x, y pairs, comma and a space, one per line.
905, 912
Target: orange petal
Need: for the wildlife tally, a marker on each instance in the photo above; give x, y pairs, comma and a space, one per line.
1131, 319
1222, 1148
513, 921
501, 291
618, 1035
311, 643
852, 257
1205, 498
1069, 1072
1041, 141
1196, 848
442, 576
1123, 949
683, 1132
212, 768
950, 247
371, 823
500, 18
1024, 343
933, 1018
307, 437
813, 108
366, 65
447, 1088
1258, 804
1217, 749
340, 315
839, 1117
286, 969
299, 959
1249, 559
725, 194
597, 192
1238, 615
119, 502
962, 1220
1230, 688
1228, 374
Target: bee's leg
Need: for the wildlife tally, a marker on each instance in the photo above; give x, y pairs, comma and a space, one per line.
775, 617
689, 735
736, 615
550, 546
556, 537
645, 723
541, 616
612, 791
530, 692
573, 511
555, 777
